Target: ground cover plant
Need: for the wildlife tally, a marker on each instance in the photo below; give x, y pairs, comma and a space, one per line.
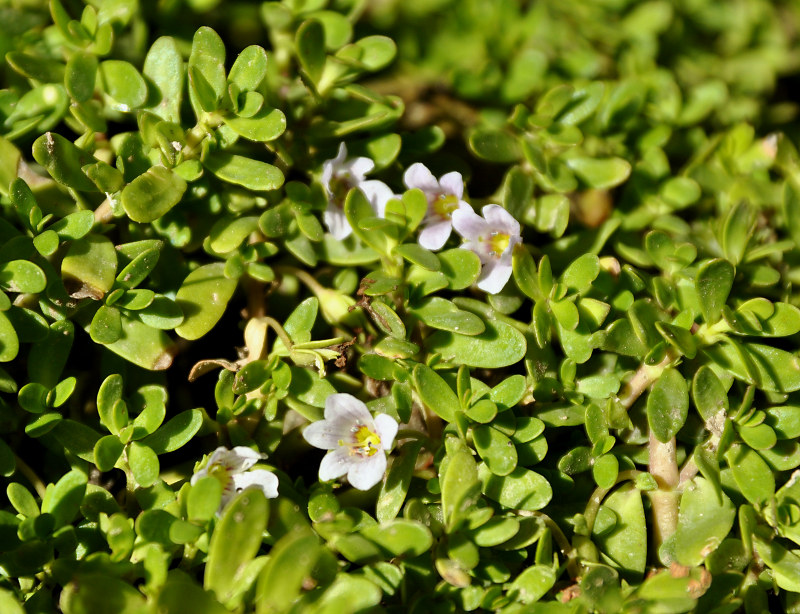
381, 306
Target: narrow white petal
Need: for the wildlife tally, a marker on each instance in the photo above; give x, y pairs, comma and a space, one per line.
245, 458
336, 222
262, 479
452, 183
326, 434
494, 276
359, 167
378, 194
386, 427
335, 464
501, 220
345, 406
418, 176
367, 472
341, 155
469, 224
435, 235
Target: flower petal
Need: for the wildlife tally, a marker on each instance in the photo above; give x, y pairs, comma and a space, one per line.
326, 434
265, 480
336, 222
343, 406
435, 235
335, 464
452, 183
494, 276
378, 194
367, 472
244, 458
501, 220
469, 224
358, 167
386, 428
199, 475
418, 176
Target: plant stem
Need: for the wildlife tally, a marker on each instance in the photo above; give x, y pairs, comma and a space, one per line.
25, 469
566, 549
664, 468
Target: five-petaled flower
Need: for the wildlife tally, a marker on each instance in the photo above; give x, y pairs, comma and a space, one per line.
230, 467
444, 198
356, 443
339, 176
492, 237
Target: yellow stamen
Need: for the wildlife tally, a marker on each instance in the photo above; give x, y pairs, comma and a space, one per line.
498, 243
221, 474
365, 442
444, 205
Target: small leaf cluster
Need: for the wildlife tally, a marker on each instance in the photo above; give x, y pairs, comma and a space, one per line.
617, 429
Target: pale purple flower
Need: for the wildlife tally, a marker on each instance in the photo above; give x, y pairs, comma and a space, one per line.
357, 443
444, 197
339, 176
230, 467
492, 237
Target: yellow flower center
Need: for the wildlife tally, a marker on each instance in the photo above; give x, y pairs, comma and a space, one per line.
498, 243
221, 474
444, 205
365, 442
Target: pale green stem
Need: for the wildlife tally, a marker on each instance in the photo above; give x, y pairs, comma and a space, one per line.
25, 469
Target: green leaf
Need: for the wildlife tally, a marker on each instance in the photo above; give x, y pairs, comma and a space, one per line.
435, 393
142, 345
417, 254
395, 488
708, 393
181, 594
713, 283
678, 337
785, 564
63, 499
203, 297
495, 449
22, 500
89, 267
249, 68
234, 544
704, 520
80, 76
442, 314
207, 64
291, 562
245, 172
64, 161
580, 274
772, 369
310, 42
668, 405
266, 125
600, 174
144, 464
532, 584
752, 475
460, 485
176, 432
152, 194
139, 268
521, 489
107, 451
106, 325
91, 593
400, 537
500, 345
494, 145
461, 267
164, 67
21, 276
626, 544
123, 83
737, 228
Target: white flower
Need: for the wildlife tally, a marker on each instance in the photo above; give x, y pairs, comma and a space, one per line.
444, 197
492, 237
356, 442
339, 176
230, 467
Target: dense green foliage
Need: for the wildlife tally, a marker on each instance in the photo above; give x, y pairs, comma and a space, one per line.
188, 266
